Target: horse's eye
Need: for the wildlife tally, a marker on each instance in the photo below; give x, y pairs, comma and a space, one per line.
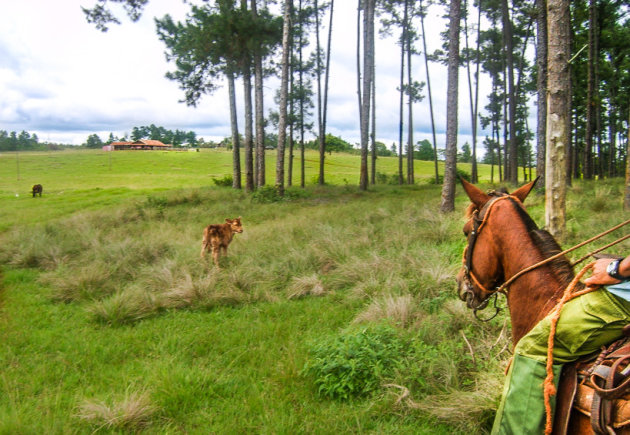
467, 229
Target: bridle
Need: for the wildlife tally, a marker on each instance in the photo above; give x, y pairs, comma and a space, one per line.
479, 219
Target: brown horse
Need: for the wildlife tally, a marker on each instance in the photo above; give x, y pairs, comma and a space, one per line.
502, 241
37, 189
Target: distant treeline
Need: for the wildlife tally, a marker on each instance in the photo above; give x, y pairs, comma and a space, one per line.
176, 138
24, 141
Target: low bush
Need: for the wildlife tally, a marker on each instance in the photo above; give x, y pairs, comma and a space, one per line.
356, 363
226, 181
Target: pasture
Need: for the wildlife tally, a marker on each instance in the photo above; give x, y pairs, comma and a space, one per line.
335, 311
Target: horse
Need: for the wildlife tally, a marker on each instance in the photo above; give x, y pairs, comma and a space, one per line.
37, 189
503, 240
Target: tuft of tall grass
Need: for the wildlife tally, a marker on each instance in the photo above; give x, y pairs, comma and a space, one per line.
134, 412
302, 286
400, 310
124, 307
82, 283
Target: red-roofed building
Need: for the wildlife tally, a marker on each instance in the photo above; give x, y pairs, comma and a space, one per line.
143, 144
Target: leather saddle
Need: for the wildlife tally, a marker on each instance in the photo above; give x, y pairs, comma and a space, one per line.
596, 388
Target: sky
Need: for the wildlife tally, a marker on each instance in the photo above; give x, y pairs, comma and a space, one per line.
64, 80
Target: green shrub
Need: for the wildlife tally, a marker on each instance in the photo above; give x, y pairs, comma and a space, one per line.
226, 181
386, 178
266, 194
460, 173
356, 363
272, 194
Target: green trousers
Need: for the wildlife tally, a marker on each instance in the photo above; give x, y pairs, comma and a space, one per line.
585, 325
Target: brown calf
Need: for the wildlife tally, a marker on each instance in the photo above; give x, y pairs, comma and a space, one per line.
37, 188
219, 236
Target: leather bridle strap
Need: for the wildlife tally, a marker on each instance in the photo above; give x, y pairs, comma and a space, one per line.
477, 225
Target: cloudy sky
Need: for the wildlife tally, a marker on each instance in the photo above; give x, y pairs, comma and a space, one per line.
64, 80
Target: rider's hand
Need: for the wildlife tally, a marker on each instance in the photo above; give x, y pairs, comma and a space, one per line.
600, 275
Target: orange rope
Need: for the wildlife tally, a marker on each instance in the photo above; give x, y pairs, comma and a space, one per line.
549, 387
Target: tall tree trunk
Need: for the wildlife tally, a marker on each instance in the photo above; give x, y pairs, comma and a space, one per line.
597, 99
426, 65
291, 114
473, 99
368, 61
373, 122
249, 158
260, 175
236, 147
410, 98
507, 34
612, 140
558, 116
284, 90
403, 44
506, 143
448, 189
301, 81
541, 87
318, 72
359, 58
590, 94
249, 121
322, 143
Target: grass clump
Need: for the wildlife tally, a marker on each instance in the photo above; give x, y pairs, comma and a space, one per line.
132, 413
124, 307
400, 310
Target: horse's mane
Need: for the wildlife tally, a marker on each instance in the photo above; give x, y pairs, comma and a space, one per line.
548, 247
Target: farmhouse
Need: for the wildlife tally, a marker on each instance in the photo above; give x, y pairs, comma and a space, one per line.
143, 144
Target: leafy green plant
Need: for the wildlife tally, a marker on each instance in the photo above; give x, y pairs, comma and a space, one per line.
225, 181
355, 364
460, 173
386, 178
266, 194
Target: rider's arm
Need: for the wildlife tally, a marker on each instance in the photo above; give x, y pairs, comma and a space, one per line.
600, 274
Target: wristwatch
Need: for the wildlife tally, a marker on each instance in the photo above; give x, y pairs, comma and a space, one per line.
613, 270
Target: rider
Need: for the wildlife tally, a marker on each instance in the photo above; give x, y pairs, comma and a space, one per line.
586, 324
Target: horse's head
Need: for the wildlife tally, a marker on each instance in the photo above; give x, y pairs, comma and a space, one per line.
482, 270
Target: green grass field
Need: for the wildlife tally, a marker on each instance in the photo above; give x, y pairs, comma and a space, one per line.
76, 180
330, 306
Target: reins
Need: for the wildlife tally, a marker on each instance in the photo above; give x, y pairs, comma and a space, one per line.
566, 251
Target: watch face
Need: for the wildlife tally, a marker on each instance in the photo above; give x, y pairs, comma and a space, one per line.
612, 266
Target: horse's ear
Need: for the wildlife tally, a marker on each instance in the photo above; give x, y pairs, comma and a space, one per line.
522, 192
476, 195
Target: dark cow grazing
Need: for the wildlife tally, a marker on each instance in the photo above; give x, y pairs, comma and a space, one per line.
218, 236
37, 188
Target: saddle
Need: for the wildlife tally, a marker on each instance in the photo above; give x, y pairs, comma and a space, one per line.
596, 388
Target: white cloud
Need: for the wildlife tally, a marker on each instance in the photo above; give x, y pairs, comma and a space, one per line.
63, 79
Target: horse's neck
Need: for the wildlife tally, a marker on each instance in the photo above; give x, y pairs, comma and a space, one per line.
532, 296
